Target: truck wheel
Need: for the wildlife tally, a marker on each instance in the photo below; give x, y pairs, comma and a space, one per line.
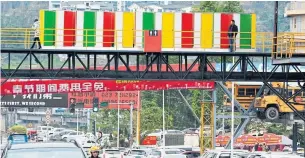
272, 113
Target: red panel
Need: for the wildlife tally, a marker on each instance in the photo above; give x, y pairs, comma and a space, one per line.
225, 24
109, 26
187, 39
69, 28
152, 43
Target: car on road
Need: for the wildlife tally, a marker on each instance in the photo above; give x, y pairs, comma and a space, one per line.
191, 154
43, 150
112, 153
135, 153
70, 135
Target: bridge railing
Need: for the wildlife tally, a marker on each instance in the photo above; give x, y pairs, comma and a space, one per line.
288, 43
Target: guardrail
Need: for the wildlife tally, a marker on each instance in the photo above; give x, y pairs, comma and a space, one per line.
287, 43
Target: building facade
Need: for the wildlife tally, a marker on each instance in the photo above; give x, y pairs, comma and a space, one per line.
296, 12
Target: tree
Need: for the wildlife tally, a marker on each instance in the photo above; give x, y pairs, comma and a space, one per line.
231, 7
214, 6
207, 6
19, 129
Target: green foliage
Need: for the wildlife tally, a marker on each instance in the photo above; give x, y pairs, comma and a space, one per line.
215, 6
19, 129
207, 6
196, 105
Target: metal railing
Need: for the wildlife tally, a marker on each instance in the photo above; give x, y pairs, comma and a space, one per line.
287, 43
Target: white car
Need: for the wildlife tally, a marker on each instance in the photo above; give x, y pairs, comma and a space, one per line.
136, 153
172, 153
273, 155
111, 153
222, 153
70, 135
56, 131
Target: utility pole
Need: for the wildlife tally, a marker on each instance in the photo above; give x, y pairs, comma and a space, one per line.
295, 137
275, 28
131, 130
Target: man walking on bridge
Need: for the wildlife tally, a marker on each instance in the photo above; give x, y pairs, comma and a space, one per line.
233, 30
36, 36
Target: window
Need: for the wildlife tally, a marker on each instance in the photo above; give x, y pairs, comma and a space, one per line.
289, 92
241, 91
294, 22
250, 92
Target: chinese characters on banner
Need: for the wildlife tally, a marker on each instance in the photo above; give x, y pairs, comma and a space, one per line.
267, 138
72, 86
111, 97
35, 100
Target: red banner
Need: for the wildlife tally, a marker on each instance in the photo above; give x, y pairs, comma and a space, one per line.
72, 86
267, 138
112, 97
149, 140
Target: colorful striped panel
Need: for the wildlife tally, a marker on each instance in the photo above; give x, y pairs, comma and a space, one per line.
128, 29
69, 28
217, 30
99, 29
197, 28
41, 26
167, 30
138, 30
49, 28
89, 29
79, 29
109, 29
178, 29
236, 18
158, 21
253, 31
245, 29
225, 24
207, 30
119, 29
59, 28
148, 22
187, 39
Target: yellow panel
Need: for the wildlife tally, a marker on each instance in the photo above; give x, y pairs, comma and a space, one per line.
207, 30
167, 30
128, 27
253, 31
41, 25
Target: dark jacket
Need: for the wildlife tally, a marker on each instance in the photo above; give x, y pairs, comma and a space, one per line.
233, 30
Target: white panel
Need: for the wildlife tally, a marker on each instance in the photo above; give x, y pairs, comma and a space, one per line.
158, 21
217, 30
236, 17
197, 29
119, 29
178, 28
99, 29
59, 29
139, 21
79, 28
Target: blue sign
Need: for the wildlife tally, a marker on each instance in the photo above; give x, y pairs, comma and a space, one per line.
18, 138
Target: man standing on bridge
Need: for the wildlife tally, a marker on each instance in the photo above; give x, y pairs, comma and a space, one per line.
36, 36
232, 33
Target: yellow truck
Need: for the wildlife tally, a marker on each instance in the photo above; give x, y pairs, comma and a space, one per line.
268, 105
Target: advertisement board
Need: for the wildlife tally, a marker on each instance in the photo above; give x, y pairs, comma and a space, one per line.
35, 100
72, 86
112, 97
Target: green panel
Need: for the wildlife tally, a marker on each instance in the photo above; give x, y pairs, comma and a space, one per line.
148, 22
49, 28
89, 29
245, 27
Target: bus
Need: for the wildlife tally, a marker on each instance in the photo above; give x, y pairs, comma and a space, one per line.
267, 105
